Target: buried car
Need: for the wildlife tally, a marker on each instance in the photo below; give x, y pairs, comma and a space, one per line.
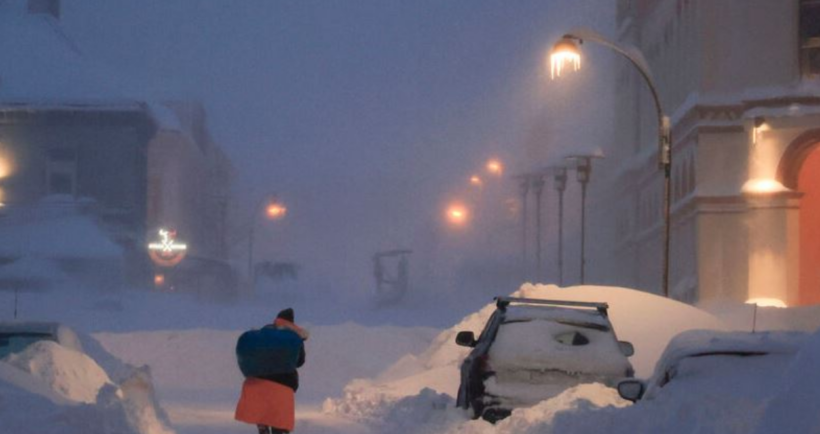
531, 350
16, 336
720, 365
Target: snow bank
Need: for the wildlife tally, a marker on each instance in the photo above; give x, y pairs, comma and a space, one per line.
745, 317
70, 373
29, 406
647, 320
62, 387
794, 408
429, 412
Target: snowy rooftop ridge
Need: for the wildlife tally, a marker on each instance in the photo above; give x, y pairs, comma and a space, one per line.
806, 88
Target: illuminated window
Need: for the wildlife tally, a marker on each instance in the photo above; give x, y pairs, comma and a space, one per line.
810, 37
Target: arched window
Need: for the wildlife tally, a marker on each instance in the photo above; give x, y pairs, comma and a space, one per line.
810, 37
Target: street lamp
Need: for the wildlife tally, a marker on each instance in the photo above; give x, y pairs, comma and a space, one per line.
274, 210
523, 189
537, 189
495, 167
583, 170
457, 214
559, 178
476, 181
566, 50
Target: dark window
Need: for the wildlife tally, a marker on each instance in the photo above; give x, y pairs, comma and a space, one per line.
61, 183
810, 37
62, 169
61, 154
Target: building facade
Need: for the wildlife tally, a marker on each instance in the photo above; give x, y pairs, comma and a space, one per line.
741, 82
73, 135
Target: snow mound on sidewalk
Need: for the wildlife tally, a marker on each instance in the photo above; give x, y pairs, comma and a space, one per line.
29, 406
70, 373
794, 408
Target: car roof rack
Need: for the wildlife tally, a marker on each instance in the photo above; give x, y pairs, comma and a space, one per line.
503, 302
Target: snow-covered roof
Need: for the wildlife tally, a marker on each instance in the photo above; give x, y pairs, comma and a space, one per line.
42, 66
43, 69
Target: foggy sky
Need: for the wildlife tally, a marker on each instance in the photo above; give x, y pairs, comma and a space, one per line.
363, 115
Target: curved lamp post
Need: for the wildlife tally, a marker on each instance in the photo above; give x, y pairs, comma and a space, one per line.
274, 210
583, 170
566, 51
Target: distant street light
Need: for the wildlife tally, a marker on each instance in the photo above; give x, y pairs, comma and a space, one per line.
274, 210
476, 181
457, 214
566, 51
495, 167
583, 170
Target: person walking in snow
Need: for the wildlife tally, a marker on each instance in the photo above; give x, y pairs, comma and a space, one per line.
268, 358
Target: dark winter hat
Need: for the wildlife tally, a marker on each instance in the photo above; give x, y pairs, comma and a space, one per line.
286, 315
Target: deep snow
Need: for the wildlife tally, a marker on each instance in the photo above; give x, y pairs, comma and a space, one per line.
385, 379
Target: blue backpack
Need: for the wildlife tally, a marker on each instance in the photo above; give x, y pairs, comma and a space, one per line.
268, 351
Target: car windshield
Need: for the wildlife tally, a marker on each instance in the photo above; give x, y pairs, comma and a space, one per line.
15, 342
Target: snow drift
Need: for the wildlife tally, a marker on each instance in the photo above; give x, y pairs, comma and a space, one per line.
647, 320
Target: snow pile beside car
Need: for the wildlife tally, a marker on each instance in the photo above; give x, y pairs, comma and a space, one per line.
794, 407
49, 387
718, 382
429, 412
70, 373
647, 320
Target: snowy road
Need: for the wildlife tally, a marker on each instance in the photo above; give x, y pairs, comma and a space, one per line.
190, 418
198, 382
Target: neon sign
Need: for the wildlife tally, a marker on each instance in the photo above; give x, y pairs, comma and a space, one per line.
167, 252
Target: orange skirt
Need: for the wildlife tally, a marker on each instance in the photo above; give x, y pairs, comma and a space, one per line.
268, 403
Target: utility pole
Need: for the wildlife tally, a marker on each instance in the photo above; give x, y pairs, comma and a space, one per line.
524, 189
538, 188
560, 184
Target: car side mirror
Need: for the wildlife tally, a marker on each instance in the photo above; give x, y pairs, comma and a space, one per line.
627, 349
631, 390
466, 339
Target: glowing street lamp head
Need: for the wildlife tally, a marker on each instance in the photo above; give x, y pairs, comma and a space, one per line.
476, 181
275, 210
495, 167
565, 51
457, 214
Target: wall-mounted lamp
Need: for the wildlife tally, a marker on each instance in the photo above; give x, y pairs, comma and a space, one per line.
760, 126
